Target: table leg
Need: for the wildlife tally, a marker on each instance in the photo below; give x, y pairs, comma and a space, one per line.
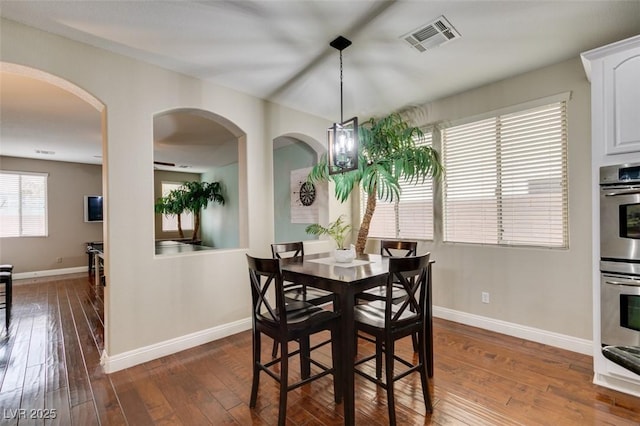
429, 320
349, 353
305, 363
8, 294
96, 268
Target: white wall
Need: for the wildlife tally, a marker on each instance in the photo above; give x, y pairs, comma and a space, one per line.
149, 299
546, 289
220, 227
156, 300
68, 234
281, 121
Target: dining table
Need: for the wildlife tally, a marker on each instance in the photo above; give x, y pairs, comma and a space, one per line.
345, 280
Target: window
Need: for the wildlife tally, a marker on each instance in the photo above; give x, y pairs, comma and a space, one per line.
409, 217
505, 179
170, 221
23, 204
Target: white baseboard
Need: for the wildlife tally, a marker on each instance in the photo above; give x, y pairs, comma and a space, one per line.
49, 273
124, 360
621, 385
128, 359
550, 338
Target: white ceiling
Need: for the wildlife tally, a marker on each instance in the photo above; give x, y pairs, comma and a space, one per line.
279, 50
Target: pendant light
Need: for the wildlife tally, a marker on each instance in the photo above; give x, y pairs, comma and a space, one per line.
342, 136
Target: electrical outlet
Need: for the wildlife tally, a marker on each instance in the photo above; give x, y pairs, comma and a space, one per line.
485, 297
58, 260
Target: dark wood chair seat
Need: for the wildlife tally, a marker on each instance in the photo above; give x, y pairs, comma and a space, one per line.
302, 319
373, 313
380, 293
300, 315
387, 322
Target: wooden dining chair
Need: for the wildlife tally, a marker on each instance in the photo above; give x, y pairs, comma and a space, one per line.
6, 278
388, 322
390, 248
286, 324
298, 291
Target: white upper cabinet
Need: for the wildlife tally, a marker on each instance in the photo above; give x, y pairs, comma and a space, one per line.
614, 71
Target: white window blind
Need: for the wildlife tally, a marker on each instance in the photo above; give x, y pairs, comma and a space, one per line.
23, 204
505, 179
170, 221
410, 217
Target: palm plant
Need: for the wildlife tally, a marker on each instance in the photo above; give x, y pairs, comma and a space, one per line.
190, 196
387, 154
171, 205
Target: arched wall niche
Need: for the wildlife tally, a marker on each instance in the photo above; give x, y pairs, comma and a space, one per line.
196, 144
293, 156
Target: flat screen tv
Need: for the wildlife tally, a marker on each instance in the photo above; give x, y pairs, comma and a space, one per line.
93, 208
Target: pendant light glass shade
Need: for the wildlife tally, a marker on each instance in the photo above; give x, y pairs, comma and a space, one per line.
343, 146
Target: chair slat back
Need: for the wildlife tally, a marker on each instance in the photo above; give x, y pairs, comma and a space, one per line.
413, 274
395, 248
264, 275
282, 250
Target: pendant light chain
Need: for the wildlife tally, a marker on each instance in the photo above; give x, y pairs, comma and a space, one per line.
342, 136
341, 110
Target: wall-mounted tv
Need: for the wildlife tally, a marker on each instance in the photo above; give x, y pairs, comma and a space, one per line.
93, 208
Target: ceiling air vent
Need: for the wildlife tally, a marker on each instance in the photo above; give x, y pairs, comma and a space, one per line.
431, 35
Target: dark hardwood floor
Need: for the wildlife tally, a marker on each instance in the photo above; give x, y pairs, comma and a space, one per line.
49, 367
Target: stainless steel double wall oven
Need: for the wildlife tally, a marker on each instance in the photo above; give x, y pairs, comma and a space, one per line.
620, 254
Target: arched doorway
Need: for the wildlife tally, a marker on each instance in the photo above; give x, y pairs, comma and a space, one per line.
54, 128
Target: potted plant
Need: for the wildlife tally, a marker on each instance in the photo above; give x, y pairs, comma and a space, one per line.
387, 153
338, 231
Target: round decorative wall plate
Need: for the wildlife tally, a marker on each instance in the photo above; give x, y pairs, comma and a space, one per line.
307, 193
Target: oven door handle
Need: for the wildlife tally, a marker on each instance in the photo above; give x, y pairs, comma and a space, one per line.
628, 191
624, 283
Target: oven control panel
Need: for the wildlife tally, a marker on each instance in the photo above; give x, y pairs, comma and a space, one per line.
620, 174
